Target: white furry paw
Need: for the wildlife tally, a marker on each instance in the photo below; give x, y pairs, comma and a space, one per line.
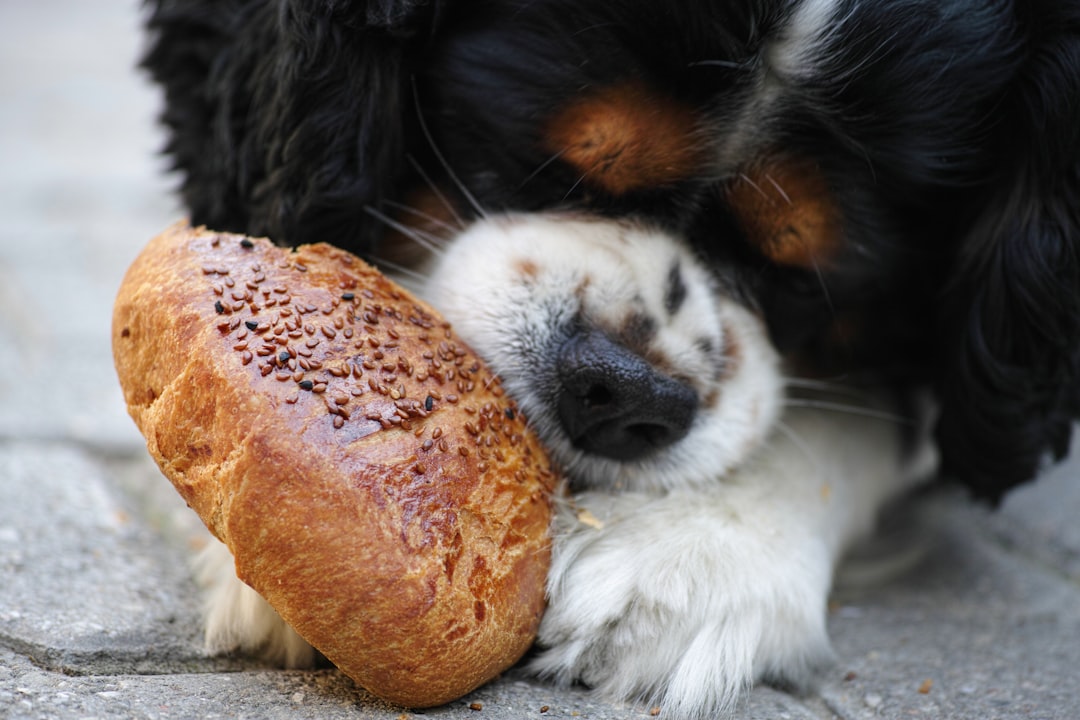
683, 601
237, 617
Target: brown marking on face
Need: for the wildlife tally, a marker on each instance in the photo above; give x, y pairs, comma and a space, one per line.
637, 331
628, 137
731, 355
527, 270
785, 208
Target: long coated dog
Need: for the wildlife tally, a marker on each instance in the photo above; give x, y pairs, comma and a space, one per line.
752, 268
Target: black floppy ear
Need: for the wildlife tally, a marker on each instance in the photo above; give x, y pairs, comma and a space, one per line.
1010, 329
288, 117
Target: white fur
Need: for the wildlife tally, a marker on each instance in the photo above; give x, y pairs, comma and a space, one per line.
684, 577
237, 617
603, 271
795, 51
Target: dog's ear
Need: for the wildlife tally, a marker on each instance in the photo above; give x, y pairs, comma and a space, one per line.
1010, 329
288, 117
334, 106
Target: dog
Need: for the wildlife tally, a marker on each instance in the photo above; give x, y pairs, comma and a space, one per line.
752, 269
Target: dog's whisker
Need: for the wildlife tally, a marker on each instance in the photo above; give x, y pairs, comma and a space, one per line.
827, 385
574, 187
427, 217
413, 280
466, 193
730, 64
461, 224
541, 168
797, 440
746, 178
849, 409
779, 189
425, 240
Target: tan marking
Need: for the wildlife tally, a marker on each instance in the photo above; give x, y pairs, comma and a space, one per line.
785, 208
527, 269
627, 137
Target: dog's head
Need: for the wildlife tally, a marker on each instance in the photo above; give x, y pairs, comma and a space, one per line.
891, 188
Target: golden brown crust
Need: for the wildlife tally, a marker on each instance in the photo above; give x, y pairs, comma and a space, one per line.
364, 467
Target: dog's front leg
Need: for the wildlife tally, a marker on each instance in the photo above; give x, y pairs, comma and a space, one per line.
686, 598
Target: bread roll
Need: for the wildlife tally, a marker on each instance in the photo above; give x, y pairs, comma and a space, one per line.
372, 480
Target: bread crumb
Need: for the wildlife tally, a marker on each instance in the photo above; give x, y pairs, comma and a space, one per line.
476, 706
927, 684
585, 517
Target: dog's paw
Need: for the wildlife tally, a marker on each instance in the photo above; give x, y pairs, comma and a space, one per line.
683, 600
238, 618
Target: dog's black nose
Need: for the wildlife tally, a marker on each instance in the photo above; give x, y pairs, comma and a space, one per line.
613, 403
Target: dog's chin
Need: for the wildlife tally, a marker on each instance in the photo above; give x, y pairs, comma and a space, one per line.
519, 288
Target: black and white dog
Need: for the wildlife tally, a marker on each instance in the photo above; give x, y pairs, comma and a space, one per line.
751, 267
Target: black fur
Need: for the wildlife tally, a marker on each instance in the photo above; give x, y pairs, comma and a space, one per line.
948, 134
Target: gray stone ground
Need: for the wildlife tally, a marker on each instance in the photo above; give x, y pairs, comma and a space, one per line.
98, 610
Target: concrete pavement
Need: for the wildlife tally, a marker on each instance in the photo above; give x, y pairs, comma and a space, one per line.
98, 608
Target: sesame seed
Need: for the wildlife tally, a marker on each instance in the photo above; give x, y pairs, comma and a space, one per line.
347, 296
339, 422
251, 324
219, 308
306, 385
429, 403
246, 244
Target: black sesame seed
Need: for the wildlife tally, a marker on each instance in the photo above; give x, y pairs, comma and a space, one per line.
219, 308
251, 324
283, 358
246, 244
347, 296
306, 384
509, 413
429, 402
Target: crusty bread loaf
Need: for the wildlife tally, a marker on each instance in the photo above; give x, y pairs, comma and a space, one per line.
364, 467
